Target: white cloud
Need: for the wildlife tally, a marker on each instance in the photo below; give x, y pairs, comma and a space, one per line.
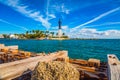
67, 11
35, 15
94, 33
47, 12
12, 3
21, 27
59, 7
52, 16
104, 24
117, 32
49, 16
65, 27
96, 18
64, 9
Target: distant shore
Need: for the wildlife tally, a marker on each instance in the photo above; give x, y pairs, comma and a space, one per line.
65, 39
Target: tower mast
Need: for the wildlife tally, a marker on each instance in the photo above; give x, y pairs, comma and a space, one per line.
59, 23
59, 28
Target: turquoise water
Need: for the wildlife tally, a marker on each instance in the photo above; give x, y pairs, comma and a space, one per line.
82, 49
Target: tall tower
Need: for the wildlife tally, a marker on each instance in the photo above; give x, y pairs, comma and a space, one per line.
59, 23
59, 29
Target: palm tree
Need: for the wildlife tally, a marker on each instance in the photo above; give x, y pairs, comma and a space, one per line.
56, 34
5, 35
46, 33
52, 33
37, 31
33, 31
27, 32
63, 34
30, 31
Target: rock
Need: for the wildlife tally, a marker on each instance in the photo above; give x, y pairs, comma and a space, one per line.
14, 51
55, 70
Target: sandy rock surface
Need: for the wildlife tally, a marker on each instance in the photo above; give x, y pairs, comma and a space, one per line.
55, 70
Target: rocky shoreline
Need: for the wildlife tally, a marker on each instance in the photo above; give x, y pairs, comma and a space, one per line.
92, 69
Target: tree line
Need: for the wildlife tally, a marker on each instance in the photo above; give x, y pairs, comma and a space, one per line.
36, 34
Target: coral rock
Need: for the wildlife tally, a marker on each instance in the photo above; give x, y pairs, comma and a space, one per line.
55, 70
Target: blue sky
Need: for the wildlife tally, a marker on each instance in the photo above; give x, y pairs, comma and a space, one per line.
80, 18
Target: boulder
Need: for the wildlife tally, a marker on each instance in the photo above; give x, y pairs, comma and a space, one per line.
55, 70
5, 49
14, 51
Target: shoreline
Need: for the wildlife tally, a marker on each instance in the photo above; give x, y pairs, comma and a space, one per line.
67, 39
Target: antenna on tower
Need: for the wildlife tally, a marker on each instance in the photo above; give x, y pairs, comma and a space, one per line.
59, 28
59, 23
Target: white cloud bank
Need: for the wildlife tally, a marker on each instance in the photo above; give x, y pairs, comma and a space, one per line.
94, 33
81, 32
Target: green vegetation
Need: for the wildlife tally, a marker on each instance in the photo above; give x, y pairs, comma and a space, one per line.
5, 36
36, 34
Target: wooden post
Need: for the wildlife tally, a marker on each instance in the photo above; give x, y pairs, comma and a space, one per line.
113, 67
14, 69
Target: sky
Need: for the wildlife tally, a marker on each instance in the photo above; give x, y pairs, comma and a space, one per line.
80, 18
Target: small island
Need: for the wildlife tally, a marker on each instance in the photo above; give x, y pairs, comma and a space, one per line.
39, 34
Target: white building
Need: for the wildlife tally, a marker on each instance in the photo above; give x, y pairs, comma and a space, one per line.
13, 36
1, 36
59, 33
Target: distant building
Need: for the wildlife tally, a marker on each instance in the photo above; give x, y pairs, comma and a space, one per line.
13, 36
1, 36
59, 29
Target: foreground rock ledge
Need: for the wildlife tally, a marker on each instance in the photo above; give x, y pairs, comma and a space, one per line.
55, 70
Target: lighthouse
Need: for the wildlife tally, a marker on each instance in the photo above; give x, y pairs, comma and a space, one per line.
59, 29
